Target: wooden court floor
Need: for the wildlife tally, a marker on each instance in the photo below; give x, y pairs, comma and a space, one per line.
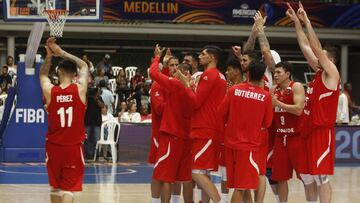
345, 184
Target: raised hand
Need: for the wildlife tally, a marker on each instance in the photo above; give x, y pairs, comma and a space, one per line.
237, 51
53, 47
158, 51
185, 79
291, 13
49, 52
301, 14
259, 19
167, 56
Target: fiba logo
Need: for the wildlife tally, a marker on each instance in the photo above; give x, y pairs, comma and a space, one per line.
30, 115
243, 12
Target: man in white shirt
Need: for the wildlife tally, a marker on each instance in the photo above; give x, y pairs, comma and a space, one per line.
342, 115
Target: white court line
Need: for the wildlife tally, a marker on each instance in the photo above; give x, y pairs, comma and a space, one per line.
129, 171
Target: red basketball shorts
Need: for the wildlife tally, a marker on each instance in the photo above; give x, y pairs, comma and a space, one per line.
65, 166
289, 154
173, 159
205, 154
222, 160
242, 169
321, 151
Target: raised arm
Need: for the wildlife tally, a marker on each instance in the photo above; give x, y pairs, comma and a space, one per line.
165, 82
83, 68
298, 97
332, 75
45, 82
263, 41
303, 40
250, 43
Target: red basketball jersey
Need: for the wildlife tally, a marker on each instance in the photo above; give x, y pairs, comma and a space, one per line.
245, 109
320, 105
66, 114
285, 123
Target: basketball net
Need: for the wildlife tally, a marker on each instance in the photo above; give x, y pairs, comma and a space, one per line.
56, 19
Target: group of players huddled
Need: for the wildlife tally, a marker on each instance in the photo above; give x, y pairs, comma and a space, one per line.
254, 123
257, 122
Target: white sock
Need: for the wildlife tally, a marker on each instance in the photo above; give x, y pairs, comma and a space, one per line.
311, 201
199, 193
155, 200
175, 198
277, 200
194, 194
224, 197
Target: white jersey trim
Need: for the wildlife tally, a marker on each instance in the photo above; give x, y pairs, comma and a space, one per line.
326, 152
163, 157
156, 142
253, 163
327, 94
203, 150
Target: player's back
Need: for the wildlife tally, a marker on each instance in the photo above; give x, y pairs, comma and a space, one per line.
250, 108
321, 103
66, 114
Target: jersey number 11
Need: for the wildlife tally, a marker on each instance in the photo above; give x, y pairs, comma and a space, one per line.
69, 112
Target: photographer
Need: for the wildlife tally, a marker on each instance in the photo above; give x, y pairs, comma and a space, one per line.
93, 120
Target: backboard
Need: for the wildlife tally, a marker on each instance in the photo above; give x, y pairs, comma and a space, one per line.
32, 10
309, 76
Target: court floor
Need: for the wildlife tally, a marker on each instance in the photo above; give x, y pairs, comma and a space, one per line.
129, 183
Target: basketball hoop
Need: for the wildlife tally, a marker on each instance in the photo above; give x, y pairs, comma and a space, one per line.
56, 19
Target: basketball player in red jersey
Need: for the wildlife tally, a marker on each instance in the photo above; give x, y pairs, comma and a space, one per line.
157, 108
243, 130
173, 160
66, 105
320, 105
288, 100
205, 129
270, 58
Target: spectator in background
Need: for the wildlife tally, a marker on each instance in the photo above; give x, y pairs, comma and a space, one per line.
137, 95
145, 96
121, 76
100, 75
137, 79
122, 108
342, 115
11, 66
130, 116
123, 92
352, 107
107, 96
144, 113
106, 65
89, 63
5, 78
93, 120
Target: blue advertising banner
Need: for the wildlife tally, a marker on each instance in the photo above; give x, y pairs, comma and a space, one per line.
229, 12
221, 12
347, 145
